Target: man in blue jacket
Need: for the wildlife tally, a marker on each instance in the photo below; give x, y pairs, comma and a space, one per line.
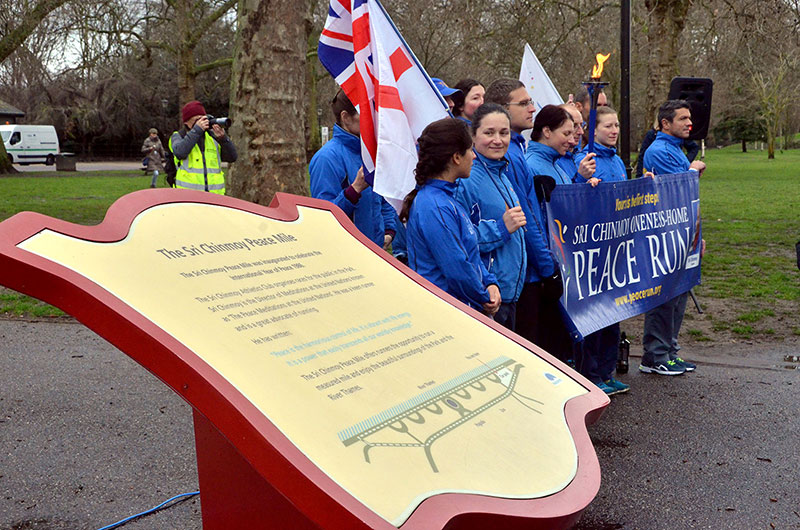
662, 324
337, 176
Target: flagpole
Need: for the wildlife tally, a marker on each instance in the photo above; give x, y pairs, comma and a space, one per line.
414, 57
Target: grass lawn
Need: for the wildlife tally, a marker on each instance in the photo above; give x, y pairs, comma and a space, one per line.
81, 198
751, 221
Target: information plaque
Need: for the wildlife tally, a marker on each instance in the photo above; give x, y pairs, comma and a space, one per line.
332, 386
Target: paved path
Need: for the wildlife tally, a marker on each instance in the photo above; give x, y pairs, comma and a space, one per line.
84, 166
88, 437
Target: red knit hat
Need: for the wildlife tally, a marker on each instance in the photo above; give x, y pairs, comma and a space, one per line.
192, 109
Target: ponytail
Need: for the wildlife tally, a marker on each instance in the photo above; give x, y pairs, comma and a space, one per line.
438, 142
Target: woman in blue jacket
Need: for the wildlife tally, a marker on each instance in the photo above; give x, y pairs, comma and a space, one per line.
442, 242
609, 166
494, 207
551, 138
468, 98
598, 358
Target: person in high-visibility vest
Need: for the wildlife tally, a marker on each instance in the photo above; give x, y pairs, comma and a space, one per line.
199, 152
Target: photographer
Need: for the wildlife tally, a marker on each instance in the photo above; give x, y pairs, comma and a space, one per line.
199, 152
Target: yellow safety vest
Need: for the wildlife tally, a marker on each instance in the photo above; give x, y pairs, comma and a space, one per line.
202, 170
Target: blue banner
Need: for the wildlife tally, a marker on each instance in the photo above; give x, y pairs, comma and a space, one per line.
625, 247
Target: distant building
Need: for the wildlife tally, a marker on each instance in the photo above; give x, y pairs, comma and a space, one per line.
9, 114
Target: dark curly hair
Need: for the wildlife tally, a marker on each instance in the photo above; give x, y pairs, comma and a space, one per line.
438, 142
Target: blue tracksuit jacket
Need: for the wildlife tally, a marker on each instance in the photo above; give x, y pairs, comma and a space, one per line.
610, 167
569, 164
333, 168
443, 245
486, 195
665, 156
542, 160
540, 262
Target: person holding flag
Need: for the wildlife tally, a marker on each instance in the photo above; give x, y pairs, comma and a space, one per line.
494, 207
337, 176
394, 96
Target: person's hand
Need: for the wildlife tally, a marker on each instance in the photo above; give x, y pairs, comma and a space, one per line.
360, 183
202, 122
219, 132
649, 175
588, 166
514, 218
387, 242
491, 307
570, 100
698, 165
702, 247
594, 181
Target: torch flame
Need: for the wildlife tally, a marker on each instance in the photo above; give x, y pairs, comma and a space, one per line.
597, 71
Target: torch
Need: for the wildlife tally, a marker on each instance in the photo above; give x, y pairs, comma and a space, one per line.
594, 87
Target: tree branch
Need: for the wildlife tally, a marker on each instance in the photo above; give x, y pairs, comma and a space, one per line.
212, 65
17, 36
208, 21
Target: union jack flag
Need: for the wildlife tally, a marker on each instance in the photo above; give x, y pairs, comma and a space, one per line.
368, 58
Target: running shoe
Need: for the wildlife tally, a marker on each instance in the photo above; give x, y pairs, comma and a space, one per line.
664, 368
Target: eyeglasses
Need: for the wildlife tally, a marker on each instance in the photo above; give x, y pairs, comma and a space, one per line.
524, 104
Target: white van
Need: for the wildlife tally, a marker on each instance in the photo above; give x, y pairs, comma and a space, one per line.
30, 144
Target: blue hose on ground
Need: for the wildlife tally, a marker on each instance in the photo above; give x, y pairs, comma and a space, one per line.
151, 510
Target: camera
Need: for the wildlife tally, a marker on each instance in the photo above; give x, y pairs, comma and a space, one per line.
222, 122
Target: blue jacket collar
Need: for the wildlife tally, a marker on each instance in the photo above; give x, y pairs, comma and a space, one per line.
518, 139
544, 150
601, 150
350, 141
489, 163
674, 140
448, 187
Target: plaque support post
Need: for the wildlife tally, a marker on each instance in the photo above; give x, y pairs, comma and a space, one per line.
232, 493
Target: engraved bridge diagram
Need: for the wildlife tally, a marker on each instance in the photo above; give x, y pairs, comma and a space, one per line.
427, 417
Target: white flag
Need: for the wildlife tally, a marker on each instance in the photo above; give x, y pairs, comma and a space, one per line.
536, 80
406, 102
363, 50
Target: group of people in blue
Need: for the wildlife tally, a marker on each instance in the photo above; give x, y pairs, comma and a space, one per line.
475, 223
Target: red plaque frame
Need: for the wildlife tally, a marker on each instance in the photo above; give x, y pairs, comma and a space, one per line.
251, 475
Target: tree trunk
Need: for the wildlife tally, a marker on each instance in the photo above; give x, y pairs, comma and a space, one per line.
186, 72
5, 163
770, 144
744, 146
268, 99
667, 19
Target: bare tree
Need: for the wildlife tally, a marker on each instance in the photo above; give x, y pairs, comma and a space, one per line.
14, 34
268, 100
667, 19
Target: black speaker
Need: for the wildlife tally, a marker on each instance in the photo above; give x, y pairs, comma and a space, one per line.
697, 91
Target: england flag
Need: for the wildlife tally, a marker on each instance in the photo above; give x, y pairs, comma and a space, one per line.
396, 99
